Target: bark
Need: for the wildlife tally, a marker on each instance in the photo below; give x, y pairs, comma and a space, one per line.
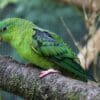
24, 81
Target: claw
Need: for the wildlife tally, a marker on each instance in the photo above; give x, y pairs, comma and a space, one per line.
45, 73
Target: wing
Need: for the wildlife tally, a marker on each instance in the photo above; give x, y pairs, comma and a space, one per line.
49, 45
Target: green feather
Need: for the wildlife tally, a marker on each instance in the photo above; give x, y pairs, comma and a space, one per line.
40, 47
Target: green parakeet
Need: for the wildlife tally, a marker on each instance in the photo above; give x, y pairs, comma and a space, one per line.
40, 47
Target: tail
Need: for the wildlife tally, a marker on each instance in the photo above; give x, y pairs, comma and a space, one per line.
72, 66
90, 76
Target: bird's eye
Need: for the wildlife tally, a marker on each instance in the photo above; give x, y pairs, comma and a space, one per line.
4, 28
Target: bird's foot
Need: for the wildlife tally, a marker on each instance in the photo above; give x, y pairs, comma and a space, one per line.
28, 64
45, 73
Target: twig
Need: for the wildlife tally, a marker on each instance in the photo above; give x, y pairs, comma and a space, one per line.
70, 34
96, 3
95, 40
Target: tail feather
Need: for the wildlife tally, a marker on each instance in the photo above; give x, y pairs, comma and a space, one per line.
90, 77
75, 68
72, 66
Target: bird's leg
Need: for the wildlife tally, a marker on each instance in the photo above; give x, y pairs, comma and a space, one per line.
49, 71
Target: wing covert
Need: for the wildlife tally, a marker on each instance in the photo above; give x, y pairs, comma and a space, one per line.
49, 46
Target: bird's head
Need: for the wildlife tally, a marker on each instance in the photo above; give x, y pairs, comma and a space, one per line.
11, 26
7, 28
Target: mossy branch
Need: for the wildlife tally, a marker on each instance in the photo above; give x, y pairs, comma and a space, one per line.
24, 81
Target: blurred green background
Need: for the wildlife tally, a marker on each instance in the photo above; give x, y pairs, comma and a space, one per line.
46, 14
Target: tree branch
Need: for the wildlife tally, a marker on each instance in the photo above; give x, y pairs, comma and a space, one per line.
24, 81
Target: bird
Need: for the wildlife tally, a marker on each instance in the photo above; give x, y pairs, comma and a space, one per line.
41, 47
